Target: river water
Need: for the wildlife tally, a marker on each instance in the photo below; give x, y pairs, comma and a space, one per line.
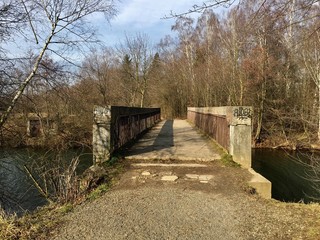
17, 191
289, 177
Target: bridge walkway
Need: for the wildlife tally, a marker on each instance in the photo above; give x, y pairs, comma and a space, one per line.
173, 140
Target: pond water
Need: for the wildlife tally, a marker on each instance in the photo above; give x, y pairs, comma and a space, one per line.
290, 178
17, 191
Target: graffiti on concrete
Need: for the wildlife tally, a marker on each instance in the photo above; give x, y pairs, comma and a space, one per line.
242, 113
101, 111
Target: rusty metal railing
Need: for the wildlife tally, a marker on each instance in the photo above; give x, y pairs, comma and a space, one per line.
127, 127
216, 126
115, 126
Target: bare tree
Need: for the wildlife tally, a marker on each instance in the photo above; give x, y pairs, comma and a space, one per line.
57, 26
139, 54
100, 68
11, 14
311, 60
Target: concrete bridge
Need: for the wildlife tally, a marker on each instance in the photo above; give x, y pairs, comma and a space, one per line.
180, 140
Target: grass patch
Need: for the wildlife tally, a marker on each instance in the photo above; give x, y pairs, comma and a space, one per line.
66, 208
227, 160
96, 193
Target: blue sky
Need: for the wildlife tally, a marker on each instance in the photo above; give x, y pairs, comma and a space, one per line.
134, 16
142, 16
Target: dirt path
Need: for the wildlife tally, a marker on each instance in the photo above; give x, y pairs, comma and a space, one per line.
195, 203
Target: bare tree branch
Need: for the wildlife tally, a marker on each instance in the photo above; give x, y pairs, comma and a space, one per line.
200, 8
66, 17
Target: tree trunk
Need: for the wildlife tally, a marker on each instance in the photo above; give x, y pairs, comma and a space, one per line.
319, 107
260, 114
26, 82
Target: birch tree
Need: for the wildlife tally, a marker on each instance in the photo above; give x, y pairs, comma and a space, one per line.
56, 27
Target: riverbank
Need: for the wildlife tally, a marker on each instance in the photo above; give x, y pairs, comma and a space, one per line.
40, 223
302, 141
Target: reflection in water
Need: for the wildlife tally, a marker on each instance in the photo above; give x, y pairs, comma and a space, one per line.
17, 191
290, 181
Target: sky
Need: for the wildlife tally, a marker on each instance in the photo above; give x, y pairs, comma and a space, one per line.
133, 17
142, 16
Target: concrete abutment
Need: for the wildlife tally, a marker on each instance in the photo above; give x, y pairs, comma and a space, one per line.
231, 127
115, 126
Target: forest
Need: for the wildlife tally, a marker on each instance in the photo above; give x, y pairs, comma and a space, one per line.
264, 54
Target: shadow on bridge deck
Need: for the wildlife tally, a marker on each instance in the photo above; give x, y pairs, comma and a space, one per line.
172, 140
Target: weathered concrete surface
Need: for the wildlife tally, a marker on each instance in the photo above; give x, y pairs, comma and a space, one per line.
261, 184
173, 140
170, 178
190, 165
177, 140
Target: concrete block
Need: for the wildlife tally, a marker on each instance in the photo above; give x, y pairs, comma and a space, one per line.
192, 176
145, 173
170, 178
261, 184
205, 177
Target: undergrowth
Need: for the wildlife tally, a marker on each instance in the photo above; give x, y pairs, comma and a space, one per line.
41, 223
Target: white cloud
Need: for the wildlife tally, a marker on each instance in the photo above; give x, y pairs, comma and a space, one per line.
143, 16
148, 13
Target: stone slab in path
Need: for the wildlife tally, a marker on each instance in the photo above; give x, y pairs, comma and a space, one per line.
170, 178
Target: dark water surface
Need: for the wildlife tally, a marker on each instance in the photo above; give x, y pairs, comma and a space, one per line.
17, 191
289, 177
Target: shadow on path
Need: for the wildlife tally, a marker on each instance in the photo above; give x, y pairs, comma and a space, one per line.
156, 140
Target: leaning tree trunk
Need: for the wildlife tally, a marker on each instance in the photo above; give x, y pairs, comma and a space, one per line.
25, 83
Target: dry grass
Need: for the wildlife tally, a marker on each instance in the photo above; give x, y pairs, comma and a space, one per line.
41, 223
8, 227
31, 226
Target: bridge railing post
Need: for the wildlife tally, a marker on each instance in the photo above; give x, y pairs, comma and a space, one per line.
101, 141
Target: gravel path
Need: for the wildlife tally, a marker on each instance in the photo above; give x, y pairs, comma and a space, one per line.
142, 206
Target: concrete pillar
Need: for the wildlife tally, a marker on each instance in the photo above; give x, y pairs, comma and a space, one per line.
239, 119
101, 142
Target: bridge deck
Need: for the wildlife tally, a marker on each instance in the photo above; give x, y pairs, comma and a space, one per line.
173, 140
